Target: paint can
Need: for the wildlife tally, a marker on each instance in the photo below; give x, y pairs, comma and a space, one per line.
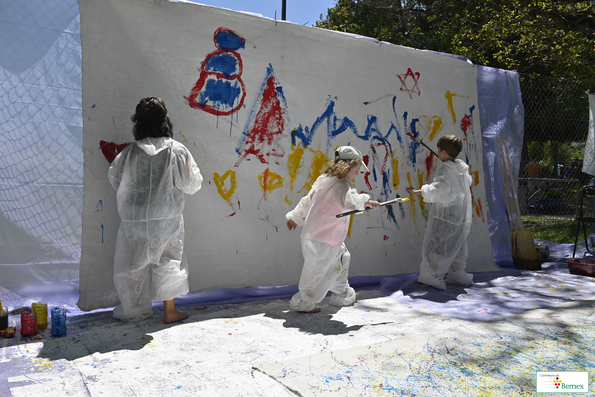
41, 309
3, 318
58, 321
28, 323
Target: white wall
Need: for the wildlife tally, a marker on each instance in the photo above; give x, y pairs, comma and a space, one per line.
332, 88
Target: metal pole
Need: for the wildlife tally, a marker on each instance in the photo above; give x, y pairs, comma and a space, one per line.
283, 10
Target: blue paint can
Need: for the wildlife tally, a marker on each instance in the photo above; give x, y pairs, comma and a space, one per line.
58, 321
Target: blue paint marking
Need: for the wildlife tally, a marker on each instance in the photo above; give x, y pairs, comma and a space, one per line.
306, 134
101, 234
99, 207
229, 41
220, 92
226, 64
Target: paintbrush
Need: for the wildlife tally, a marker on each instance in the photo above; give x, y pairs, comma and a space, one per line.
390, 202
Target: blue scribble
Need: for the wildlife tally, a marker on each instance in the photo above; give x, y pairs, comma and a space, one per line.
220, 92
227, 40
102, 234
99, 207
225, 63
307, 134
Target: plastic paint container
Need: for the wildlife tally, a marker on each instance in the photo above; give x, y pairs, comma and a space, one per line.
58, 321
28, 323
41, 309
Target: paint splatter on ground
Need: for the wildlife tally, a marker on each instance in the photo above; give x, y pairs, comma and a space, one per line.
498, 358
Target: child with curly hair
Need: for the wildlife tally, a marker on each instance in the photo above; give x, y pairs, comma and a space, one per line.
326, 259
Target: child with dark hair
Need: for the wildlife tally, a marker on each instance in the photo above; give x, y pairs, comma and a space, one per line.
151, 177
449, 223
326, 259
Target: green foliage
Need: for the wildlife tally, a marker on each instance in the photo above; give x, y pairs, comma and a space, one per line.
548, 38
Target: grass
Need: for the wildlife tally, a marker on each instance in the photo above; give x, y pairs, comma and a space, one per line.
556, 230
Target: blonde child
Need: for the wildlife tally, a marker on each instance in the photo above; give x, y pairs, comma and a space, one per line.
326, 259
151, 177
445, 240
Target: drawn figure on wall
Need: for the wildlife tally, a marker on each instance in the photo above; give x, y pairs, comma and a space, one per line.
266, 123
220, 89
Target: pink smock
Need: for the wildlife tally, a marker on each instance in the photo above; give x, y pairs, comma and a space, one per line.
326, 259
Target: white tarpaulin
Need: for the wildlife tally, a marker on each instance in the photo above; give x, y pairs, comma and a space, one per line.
589, 160
262, 104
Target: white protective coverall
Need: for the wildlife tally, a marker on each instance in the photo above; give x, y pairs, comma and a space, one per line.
326, 259
445, 240
151, 177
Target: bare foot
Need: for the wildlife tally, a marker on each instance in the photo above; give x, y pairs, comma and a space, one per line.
175, 316
315, 310
357, 294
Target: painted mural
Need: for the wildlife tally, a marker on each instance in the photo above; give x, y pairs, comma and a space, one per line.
262, 111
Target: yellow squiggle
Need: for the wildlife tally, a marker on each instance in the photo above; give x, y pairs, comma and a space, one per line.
450, 105
224, 192
475, 176
294, 163
186, 140
396, 181
412, 204
314, 172
269, 181
422, 204
350, 224
432, 125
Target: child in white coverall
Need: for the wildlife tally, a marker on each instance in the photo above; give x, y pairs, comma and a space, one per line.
445, 241
151, 177
326, 259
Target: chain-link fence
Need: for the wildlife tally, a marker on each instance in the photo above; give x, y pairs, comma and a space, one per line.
556, 127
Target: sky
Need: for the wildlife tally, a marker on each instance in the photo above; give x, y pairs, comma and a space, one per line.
303, 12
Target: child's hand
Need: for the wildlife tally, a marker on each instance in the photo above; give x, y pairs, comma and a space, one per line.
411, 190
372, 204
291, 224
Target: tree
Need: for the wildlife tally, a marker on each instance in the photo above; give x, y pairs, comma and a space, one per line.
380, 19
549, 38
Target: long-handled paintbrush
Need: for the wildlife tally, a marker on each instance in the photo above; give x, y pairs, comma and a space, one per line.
423, 144
390, 202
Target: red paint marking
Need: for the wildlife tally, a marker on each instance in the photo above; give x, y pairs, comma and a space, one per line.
262, 137
415, 77
466, 123
429, 165
366, 178
385, 237
268, 220
111, 149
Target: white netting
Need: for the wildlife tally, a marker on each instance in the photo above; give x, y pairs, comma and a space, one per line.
41, 132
